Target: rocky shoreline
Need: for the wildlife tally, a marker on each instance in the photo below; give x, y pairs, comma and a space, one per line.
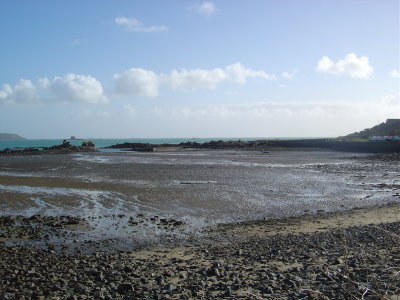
347, 255
65, 147
268, 145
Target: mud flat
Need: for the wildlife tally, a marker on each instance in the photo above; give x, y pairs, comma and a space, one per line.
347, 255
200, 224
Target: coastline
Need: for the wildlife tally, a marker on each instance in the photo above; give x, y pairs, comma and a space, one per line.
343, 145
322, 256
63, 148
171, 145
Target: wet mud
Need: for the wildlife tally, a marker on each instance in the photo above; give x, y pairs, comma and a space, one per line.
123, 196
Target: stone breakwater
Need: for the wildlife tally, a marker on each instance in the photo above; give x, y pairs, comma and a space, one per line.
65, 147
253, 260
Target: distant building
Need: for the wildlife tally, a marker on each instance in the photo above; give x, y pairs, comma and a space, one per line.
384, 138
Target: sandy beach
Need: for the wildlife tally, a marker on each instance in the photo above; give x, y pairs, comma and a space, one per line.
348, 255
200, 224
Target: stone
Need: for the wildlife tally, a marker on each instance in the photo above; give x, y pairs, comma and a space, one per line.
169, 287
126, 287
213, 272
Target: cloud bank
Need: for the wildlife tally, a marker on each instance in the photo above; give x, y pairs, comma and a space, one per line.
134, 25
287, 110
351, 65
285, 119
134, 82
71, 88
146, 83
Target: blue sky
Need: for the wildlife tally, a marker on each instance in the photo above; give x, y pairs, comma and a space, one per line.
197, 68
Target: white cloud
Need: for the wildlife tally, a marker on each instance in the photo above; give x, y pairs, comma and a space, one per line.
351, 65
44, 83
70, 88
395, 74
25, 91
134, 25
146, 83
136, 82
207, 8
209, 79
289, 75
22, 92
77, 88
239, 73
193, 79
5, 91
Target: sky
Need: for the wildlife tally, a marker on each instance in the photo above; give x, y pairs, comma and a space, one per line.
167, 69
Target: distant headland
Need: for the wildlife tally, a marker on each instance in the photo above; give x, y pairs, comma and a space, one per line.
389, 128
11, 137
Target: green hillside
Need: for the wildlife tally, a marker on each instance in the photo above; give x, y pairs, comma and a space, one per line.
389, 128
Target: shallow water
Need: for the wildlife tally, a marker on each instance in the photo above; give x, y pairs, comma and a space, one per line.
199, 187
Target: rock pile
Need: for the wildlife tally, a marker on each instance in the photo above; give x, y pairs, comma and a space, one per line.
162, 223
65, 147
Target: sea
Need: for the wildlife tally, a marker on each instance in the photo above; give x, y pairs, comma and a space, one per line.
104, 142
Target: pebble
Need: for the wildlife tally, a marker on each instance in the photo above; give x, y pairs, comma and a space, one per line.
294, 266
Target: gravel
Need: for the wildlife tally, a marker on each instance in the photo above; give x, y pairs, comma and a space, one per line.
359, 262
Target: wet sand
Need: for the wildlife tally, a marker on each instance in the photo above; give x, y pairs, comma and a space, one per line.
348, 255
124, 195
199, 224
317, 223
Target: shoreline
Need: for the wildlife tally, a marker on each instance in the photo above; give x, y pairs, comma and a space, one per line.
268, 145
322, 256
317, 222
383, 150
64, 148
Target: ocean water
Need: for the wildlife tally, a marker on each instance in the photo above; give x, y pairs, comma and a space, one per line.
100, 143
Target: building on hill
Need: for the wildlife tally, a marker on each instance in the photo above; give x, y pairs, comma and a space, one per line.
390, 128
384, 138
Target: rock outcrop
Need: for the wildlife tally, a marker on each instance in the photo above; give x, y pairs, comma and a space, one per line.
65, 147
